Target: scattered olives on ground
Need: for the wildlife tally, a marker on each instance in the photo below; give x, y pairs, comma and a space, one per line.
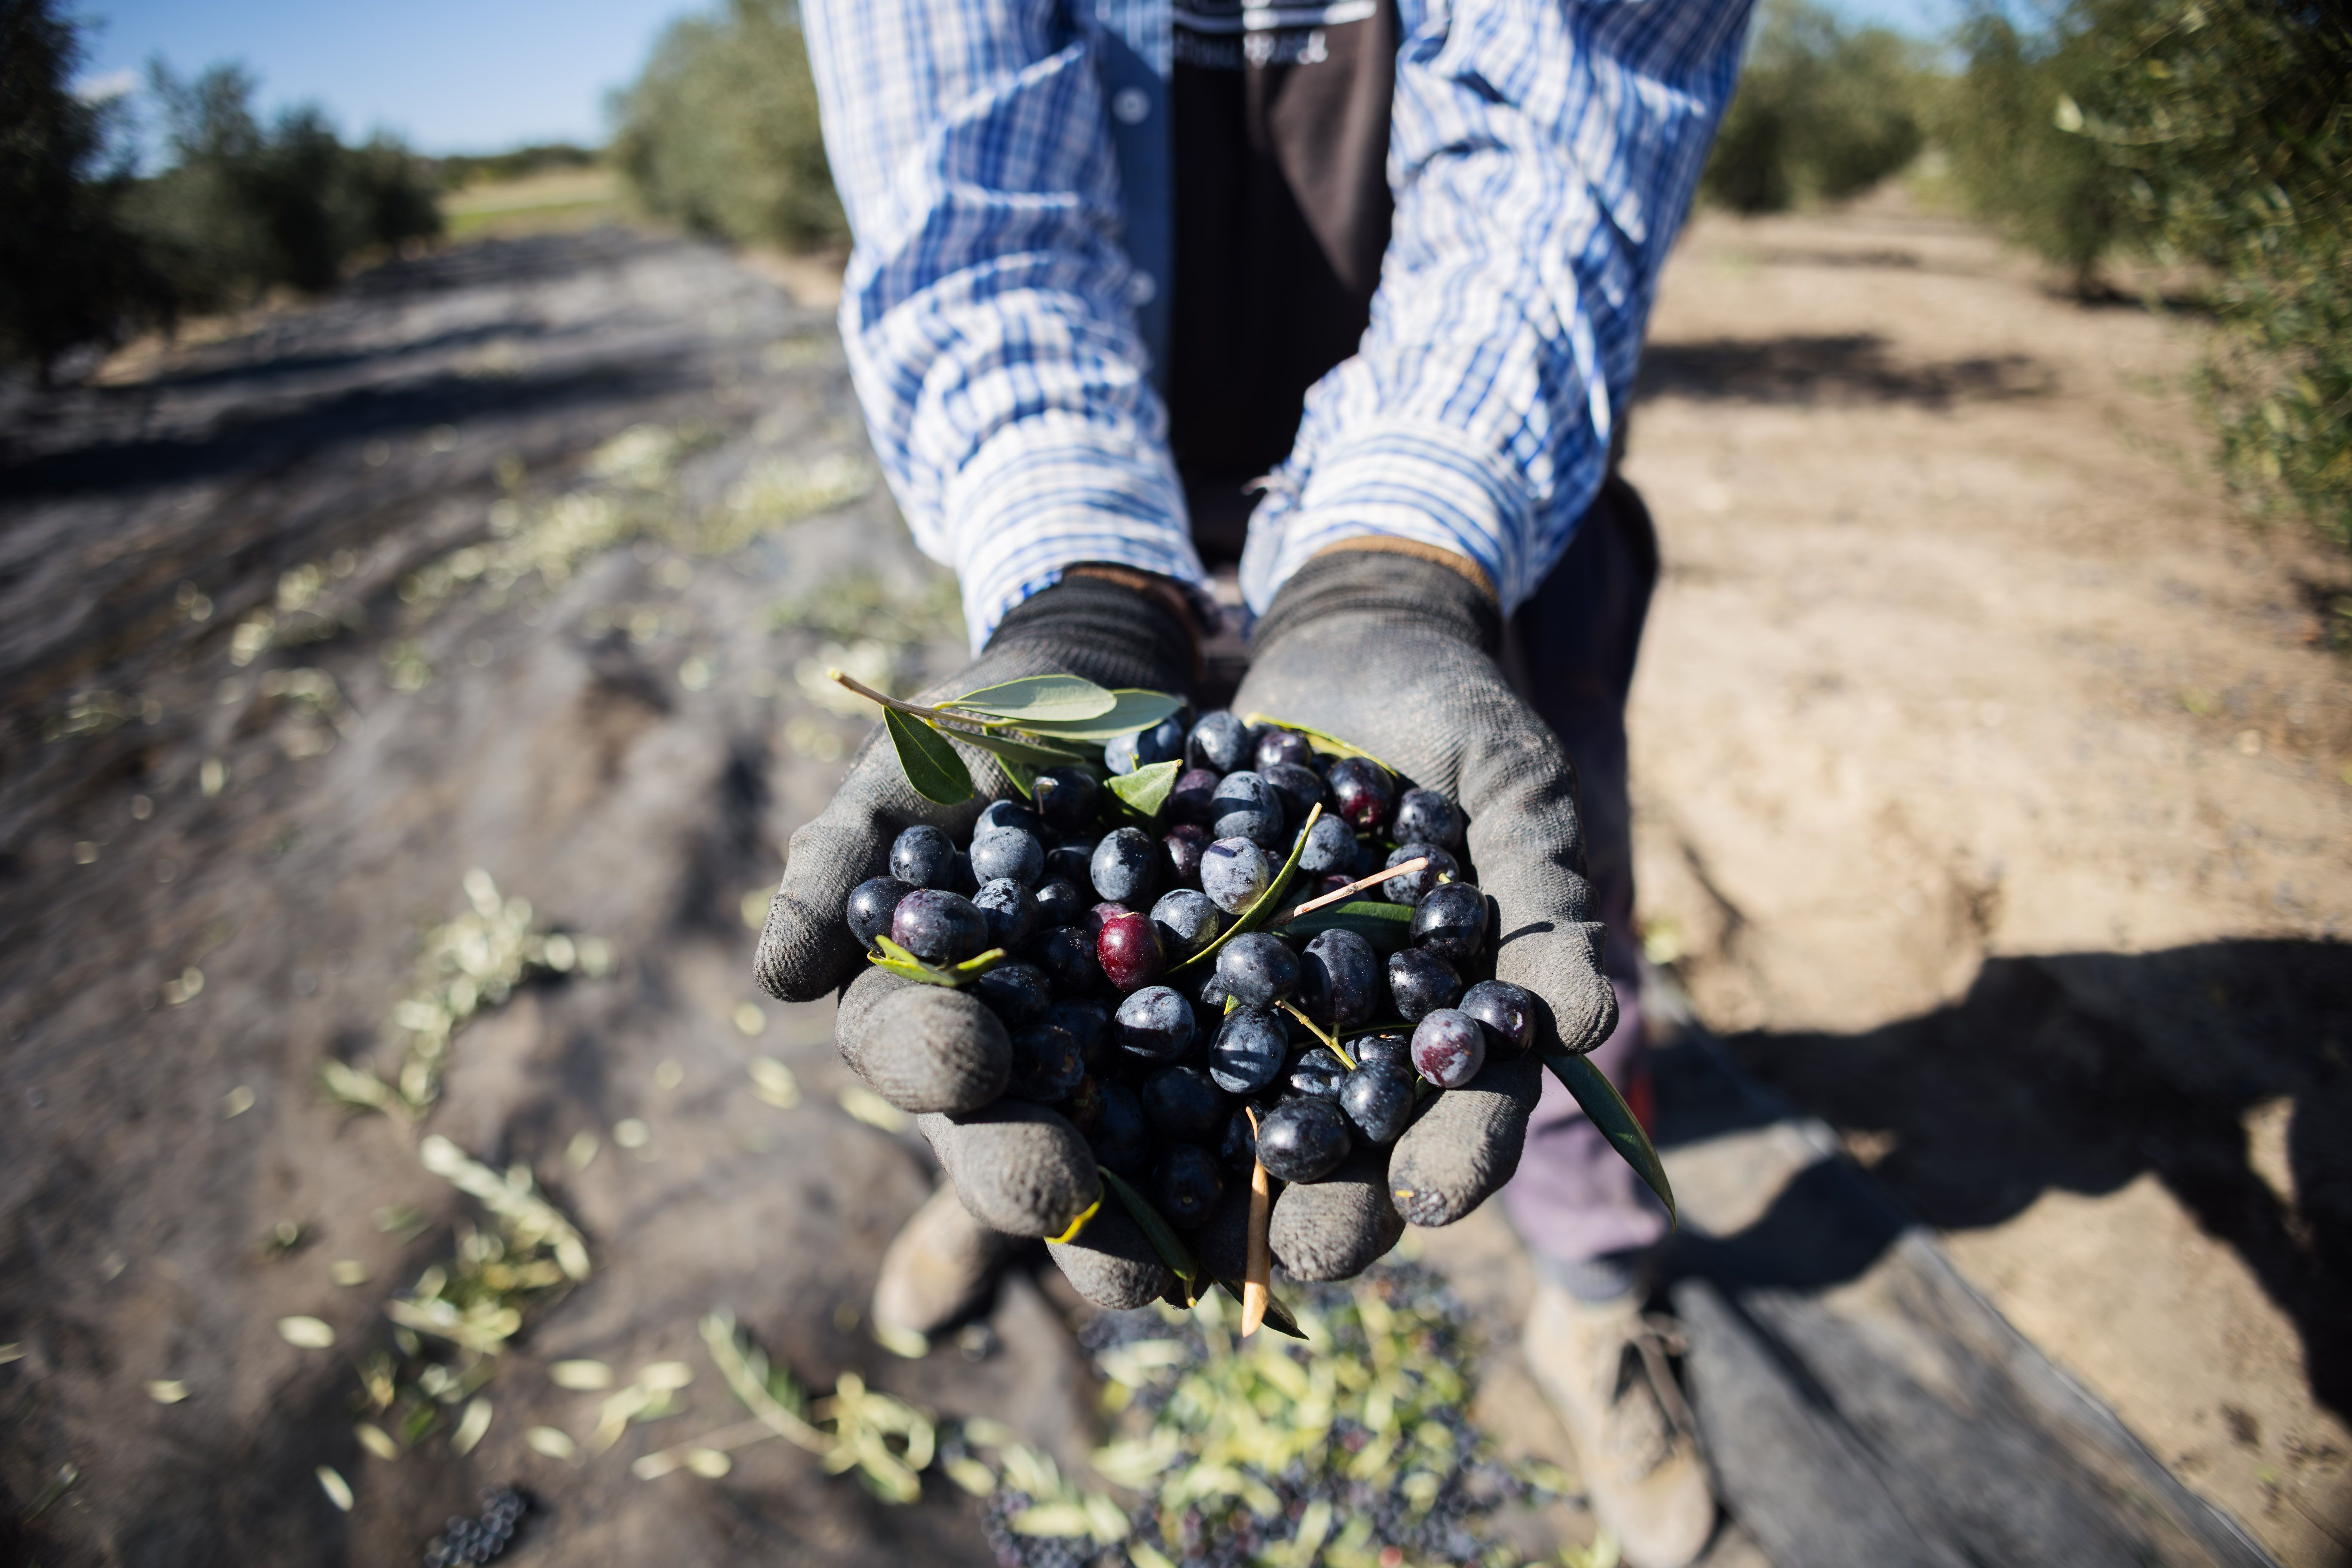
1135, 1008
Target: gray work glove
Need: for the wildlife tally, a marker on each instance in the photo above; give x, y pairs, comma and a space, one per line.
1020, 1169
1395, 655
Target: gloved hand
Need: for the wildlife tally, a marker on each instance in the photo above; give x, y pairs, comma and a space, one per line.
1019, 1169
1395, 655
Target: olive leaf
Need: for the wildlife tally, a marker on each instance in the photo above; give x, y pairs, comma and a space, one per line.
1615, 1118
899, 962
1147, 789
1258, 913
1162, 1235
1388, 927
1277, 1316
1039, 699
1132, 710
930, 765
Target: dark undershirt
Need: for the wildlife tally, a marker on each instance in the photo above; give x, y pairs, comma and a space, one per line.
1281, 143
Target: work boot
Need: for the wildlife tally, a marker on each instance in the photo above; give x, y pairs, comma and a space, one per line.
1603, 1366
938, 1267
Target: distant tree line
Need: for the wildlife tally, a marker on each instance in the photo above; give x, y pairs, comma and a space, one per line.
2209, 135
91, 249
720, 133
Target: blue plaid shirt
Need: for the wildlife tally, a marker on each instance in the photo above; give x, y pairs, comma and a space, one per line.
1004, 164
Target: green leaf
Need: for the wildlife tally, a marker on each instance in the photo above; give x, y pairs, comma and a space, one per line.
1027, 750
1610, 1113
899, 962
1134, 710
1162, 1236
1267, 902
1147, 789
1388, 927
932, 764
1277, 1316
973, 968
1038, 699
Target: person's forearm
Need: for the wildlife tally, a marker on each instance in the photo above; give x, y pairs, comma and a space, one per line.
984, 310
1545, 156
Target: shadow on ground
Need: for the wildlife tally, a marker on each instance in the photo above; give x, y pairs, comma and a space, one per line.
1864, 1404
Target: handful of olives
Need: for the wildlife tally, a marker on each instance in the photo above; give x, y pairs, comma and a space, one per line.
1290, 930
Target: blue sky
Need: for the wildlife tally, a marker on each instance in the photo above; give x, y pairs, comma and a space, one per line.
459, 76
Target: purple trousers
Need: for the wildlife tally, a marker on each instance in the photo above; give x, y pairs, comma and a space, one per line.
1570, 651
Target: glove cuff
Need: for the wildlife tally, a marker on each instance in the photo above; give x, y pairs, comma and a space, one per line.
1396, 590
1128, 637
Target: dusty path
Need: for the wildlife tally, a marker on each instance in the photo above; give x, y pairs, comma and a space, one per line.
1992, 793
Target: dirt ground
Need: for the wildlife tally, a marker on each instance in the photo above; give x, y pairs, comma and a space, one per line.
1993, 797
1992, 804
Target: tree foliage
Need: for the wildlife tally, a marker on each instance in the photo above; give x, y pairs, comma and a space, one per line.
721, 131
89, 249
2214, 132
1823, 111
246, 206
67, 266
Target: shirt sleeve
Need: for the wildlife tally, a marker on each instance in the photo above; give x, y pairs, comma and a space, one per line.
1542, 155
987, 307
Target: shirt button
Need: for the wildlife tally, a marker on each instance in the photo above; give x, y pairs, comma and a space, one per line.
1129, 105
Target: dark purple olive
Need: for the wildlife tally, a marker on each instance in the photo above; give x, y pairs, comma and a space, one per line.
1066, 954
1301, 791
1219, 742
1011, 911
1303, 1140
1156, 1024
1450, 920
1413, 886
1283, 748
1248, 1052
1047, 1064
1317, 1073
1125, 866
1378, 1099
1196, 791
1090, 1025
871, 904
1065, 799
1363, 792
923, 856
1180, 1105
1239, 1148
938, 928
1420, 983
1258, 969
1059, 903
1393, 1047
1120, 1139
1008, 813
1246, 806
1016, 993
1234, 872
1186, 1184
1448, 1048
1340, 979
1187, 923
1181, 847
1072, 861
1506, 1012
1330, 846
1426, 816
1007, 852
